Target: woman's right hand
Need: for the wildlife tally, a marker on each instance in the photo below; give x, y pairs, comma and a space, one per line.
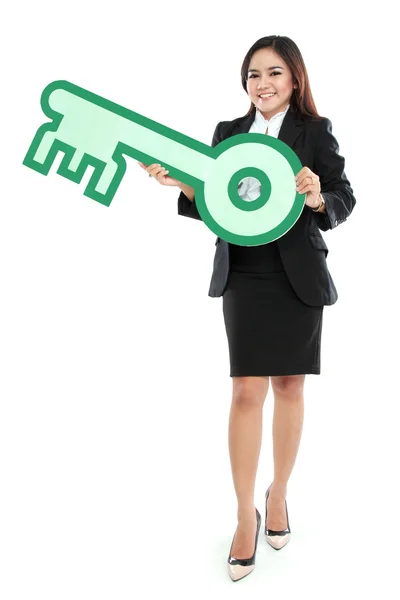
159, 174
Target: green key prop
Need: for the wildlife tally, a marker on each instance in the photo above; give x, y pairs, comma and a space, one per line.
91, 130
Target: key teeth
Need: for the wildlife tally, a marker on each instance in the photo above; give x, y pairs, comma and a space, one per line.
103, 172
106, 176
44, 166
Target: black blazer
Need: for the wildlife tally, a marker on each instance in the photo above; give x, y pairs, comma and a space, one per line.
303, 249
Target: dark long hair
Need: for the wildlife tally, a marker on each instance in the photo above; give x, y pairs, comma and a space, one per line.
301, 100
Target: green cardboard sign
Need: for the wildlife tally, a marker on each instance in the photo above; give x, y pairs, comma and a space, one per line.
91, 130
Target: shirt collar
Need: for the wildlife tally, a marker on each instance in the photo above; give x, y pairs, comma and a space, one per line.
262, 121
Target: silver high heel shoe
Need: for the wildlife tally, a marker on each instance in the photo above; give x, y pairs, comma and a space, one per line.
240, 567
276, 539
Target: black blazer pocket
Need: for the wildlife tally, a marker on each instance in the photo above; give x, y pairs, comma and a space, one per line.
318, 243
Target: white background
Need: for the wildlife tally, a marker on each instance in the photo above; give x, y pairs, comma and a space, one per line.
115, 388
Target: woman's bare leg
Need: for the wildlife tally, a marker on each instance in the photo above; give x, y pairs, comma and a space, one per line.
245, 433
287, 428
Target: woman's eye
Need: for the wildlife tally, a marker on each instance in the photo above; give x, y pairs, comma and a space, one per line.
274, 73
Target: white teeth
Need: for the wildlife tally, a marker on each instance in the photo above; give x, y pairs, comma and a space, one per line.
266, 95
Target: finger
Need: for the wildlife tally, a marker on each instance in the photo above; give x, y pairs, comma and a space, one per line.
299, 174
308, 188
302, 184
304, 176
154, 169
306, 181
156, 172
305, 172
159, 171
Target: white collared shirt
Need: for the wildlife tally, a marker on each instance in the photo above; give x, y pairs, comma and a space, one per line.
250, 187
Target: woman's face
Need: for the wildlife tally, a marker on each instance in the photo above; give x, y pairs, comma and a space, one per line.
268, 72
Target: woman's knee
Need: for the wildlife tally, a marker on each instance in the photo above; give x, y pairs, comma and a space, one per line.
249, 391
288, 385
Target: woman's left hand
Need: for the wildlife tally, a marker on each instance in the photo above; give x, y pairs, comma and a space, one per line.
308, 182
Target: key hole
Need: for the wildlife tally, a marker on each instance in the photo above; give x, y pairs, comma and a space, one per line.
237, 180
241, 183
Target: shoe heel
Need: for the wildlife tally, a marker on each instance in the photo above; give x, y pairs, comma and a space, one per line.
276, 539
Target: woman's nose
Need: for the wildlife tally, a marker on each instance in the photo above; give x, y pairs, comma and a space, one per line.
262, 84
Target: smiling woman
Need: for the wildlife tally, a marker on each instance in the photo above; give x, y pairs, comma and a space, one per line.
274, 294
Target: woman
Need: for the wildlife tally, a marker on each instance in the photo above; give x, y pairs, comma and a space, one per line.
274, 294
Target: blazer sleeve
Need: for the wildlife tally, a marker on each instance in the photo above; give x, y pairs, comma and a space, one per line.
335, 187
186, 208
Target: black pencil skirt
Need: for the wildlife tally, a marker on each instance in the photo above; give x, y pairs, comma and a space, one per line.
270, 330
